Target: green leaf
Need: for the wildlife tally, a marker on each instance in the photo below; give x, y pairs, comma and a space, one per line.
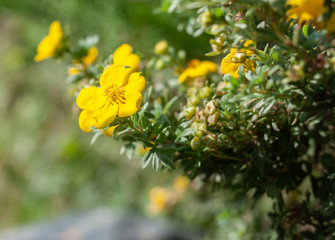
147, 158
305, 31
169, 104
155, 161
165, 160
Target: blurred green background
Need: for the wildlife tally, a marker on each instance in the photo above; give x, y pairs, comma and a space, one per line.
47, 165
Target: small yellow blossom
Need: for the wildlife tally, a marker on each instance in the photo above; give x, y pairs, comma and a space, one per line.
92, 54
305, 10
124, 57
160, 199
180, 184
197, 68
143, 150
236, 58
79, 65
161, 47
49, 44
73, 70
119, 94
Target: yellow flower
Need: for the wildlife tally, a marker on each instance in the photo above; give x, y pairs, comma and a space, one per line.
305, 10
73, 71
196, 68
49, 44
124, 57
330, 26
160, 199
92, 54
119, 94
231, 63
143, 150
180, 184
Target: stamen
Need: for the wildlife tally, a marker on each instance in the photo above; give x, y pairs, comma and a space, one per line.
115, 94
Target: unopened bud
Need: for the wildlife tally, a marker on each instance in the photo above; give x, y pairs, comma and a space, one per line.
189, 112
193, 100
216, 28
206, 18
295, 73
211, 107
160, 64
210, 140
201, 127
205, 92
195, 143
161, 47
219, 88
191, 91
216, 44
332, 63
213, 119
239, 57
201, 116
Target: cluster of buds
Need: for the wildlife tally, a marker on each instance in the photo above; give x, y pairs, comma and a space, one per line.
205, 118
209, 140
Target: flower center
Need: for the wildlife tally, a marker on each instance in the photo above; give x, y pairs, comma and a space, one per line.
115, 94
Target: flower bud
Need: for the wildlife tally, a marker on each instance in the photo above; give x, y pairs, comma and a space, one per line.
201, 127
211, 107
160, 64
195, 143
193, 100
332, 63
219, 89
210, 140
205, 92
216, 44
206, 18
189, 112
201, 116
239, 57
213, 119
191, 91
216, 28
161, 47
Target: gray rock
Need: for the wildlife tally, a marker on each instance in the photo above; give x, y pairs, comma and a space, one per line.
101, 224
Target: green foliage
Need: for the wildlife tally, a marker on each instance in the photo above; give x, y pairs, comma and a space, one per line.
266, 131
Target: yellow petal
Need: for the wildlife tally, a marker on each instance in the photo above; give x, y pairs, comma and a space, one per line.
109, 131
210, 66
193, 63
105, 115
121, 54
48, 45
92, 54
114, 74
230, 68
183, 76
45, 49
132, 104
86, 120
132, 62
136, 82
55, 32
91, 98
331, 24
